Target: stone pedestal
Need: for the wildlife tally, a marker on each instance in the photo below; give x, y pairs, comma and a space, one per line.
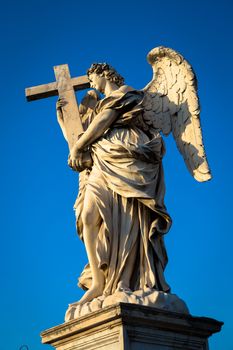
132, 327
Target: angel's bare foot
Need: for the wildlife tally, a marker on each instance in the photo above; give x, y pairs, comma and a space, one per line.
95, 291
123, 287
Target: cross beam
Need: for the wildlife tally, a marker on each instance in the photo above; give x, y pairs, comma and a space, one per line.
51, 89
65, 87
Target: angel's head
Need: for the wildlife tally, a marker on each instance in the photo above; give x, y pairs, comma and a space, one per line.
100, 73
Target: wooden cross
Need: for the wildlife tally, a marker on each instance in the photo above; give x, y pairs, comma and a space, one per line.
65, 87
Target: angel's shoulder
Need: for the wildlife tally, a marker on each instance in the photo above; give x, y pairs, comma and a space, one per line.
125, 95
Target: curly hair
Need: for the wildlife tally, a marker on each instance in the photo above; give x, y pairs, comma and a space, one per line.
107, 71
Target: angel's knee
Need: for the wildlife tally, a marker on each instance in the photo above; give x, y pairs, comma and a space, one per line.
90, 215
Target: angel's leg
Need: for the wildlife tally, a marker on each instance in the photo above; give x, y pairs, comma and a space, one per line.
91, 224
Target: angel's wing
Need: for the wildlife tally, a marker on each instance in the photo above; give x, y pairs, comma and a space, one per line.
171, 105
87, 107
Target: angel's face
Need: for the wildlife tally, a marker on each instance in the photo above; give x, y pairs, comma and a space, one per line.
97, 82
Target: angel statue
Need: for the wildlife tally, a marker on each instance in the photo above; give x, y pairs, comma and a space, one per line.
120, 212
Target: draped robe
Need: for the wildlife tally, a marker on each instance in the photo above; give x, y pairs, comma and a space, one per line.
127, 182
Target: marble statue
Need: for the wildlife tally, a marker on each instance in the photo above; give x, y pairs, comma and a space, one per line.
120, 210
116, 145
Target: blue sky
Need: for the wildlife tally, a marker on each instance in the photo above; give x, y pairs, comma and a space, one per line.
41, 255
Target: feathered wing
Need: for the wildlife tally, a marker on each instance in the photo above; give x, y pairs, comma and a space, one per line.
87, 107
171, 105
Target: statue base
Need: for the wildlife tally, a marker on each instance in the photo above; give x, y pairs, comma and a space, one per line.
146, 297
126, 326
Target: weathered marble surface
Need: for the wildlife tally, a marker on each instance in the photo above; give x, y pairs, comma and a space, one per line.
132, 327
117, 145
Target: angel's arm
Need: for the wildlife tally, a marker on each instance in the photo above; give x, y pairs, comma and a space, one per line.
98, 126
60, 103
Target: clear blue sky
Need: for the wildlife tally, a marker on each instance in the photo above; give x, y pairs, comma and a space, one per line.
41, 255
